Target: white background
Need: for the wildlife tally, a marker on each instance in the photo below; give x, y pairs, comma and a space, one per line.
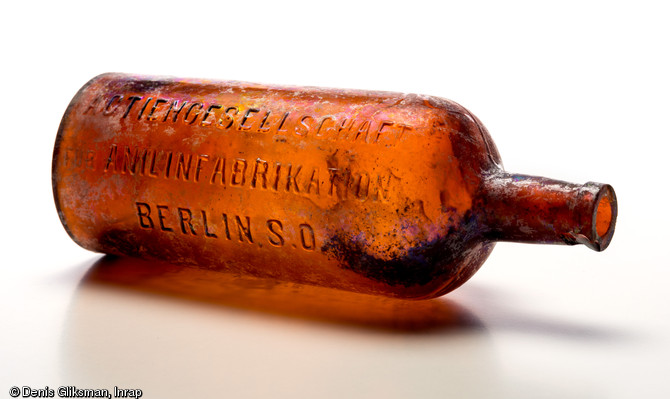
577, 91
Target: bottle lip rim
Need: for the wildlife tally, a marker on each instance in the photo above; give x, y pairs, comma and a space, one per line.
605, 196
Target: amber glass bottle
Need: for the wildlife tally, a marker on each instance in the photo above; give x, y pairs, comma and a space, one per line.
375, 192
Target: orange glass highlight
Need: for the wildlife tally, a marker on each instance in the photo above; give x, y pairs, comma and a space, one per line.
402, 195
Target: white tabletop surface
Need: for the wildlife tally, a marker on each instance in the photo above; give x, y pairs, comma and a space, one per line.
576, 91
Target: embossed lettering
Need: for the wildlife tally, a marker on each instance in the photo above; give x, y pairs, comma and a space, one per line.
307, 238
275, 229
176, 108
314, 182
133, 100
254, 120
183, 166
224, 217
159, 101
337, 183
89, 160
363, 129
333, 172
144, 215
211, 108
380, 130
111, 159
133, 163
228, 118
327, 130
219, 170
152, 169
261, 128
195, 114
403, 129
381, 191
198, 166
239, 170
189, 221
161, 217
304, 127
204, 223
292, 178
185, 217
78, 158
246, 116
244, 231
281, 123
275, 185
343, 127
261, 169
139, 116
92, 105
168, 164
362, 186
108, 108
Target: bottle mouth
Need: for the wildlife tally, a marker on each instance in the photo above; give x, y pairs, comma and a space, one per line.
603, 219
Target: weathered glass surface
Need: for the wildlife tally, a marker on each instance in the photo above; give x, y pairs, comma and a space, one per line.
375, 192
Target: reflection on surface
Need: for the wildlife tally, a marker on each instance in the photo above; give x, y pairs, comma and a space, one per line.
181, 332
505, 310
278, 297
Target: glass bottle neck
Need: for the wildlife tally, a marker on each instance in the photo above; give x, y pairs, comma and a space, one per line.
535, 209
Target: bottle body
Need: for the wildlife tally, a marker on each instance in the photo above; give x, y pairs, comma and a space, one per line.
371, 192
